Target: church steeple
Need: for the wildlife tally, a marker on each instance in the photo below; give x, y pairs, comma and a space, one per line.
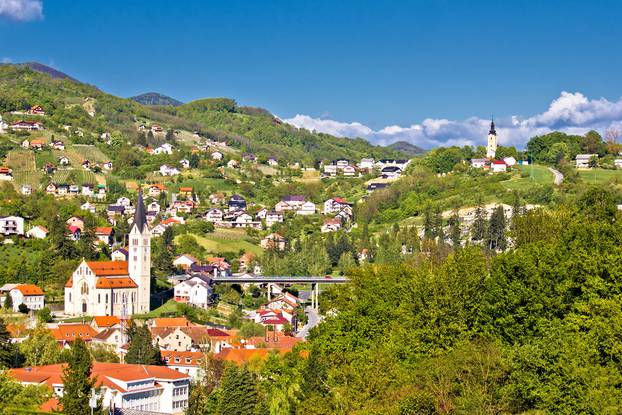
492, 127
140, 217
491, 147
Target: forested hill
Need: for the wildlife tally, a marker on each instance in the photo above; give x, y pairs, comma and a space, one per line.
155, 98
250, 129
406, 148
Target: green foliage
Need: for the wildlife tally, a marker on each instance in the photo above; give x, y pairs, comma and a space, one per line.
40, 348
141, 348
77, 380
15, 398
250, 329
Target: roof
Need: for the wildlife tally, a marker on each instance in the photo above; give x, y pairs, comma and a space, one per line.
104, 230
187, 256
341, 200
123, 282
240, 356
158, 186
171, 355
29, 289
140, 219
282, 341
171, 322
108, 268
185, 189
169, 221
69, 332
499, 162
52, 374
106, 321
294, 198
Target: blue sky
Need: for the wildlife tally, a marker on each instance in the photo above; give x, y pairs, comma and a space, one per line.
375, 64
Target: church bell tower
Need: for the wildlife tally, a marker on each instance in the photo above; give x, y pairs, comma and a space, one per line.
491, 147
139, 261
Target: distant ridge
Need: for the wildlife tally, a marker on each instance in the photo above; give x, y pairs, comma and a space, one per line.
39, 67
155, 98
407, 148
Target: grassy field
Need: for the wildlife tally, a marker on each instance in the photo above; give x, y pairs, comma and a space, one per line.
538, 174
24, 168
74, 176
227, 240
601, 176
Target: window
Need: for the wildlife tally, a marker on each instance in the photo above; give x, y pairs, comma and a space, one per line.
99, 299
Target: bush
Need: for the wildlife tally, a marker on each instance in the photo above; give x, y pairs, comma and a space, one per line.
23, 308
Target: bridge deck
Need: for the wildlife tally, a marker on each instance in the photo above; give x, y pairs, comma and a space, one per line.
280, 280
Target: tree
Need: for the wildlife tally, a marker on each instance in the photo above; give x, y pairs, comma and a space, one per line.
428, 224
238, 392
454, 230
478, 229
23, 308
8, 301
346, 262
40, 348
141, 348
77, 381
103, 353
496, 230
250, 329
438, 226
88, 239
8, 351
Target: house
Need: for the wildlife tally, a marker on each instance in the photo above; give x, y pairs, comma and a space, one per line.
618, 163
107, 165
271, 318
51, 189
58, 145
190, 338
25, 189
64, 161
185, 261
349, 171
247, 260
509, 161
75, 221
86, 165
273, 161
390, 172
87, 189
335, 204
498, 166
6, 173
154, 207
119, 254
166, 170
261, 215
36, 110
74, 233
307, 208
195, 291
216, 155
233, 164
66, 333
290, 203
213, 215
479, 163
185, 163
28, 294
274, 241
11, 225
165, 148
330, 169
88, 206
36, 144
236, 202
26, 125
273, 217
401, 164
184, 362
185, 192
156, 189
341, 163
583, 160
216, 198
114, 211
38, 232
105, 235
156, 129
367, 164
49, 168
331, 225
125, 387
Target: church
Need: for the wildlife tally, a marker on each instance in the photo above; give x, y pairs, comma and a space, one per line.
491, 146
115, 288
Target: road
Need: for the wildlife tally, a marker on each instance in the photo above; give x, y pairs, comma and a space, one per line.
313, 319
559, 178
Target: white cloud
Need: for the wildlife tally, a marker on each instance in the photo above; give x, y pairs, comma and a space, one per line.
570, 112
21, 10
6, 60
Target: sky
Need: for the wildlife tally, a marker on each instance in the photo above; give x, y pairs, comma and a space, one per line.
427, 72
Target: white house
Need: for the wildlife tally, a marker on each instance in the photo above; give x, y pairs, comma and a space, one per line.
26, 189
142, 388
583, 160
331, 225
195, 291
37, 232
165, 148
184, 261
28, 294
168, 170
349, 171
273, 217
478, 163
367, 164
330, 169
216, 155
618, 163
334, 205
88, 206
307, 208
11, 225
498, 166
185, 163
510, 161
391, 172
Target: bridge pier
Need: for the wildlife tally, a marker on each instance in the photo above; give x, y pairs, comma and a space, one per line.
315, 296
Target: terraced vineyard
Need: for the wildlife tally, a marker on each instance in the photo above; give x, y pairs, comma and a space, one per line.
24, 169
75, 176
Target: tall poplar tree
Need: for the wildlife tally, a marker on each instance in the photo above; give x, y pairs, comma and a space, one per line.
77, 381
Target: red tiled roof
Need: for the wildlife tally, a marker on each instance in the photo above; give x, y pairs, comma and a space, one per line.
172, 322
29, 289
104, 230
69, 332
108, 268
106, 321
170, 221
52, 404
108, 282
195, 358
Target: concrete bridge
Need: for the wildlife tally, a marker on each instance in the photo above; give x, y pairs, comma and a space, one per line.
260, 279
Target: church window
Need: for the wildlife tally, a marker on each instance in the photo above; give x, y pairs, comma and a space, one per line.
84, 289
135, 258
99, 298
106, 298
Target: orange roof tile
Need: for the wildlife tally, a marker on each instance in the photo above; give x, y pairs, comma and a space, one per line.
70, 331
172, 322
185, 189
184, 358
108, 282
29, 289
104, 230
108, 268
106, 321
52, 404
240, 356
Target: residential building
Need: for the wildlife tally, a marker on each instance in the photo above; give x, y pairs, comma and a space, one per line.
273, 217
213, 215
195, 291
331, 225
334, 205
390, 172
583, 160
185, 261
367, 164
6, 174
37, 232
237, 202
11, 225
28, 294
498, 166
274, 241
307, 208
479, 163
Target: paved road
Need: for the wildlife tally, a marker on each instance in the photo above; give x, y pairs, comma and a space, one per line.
559, 178
313, 319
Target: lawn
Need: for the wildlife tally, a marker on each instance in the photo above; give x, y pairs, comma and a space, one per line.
600, 176
227, 240
538, 174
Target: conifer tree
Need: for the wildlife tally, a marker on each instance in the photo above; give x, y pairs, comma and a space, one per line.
438, 226
77, 380
6, 347
238, 393
496, 230
455, 232
141, 348
8, 301
478, 229
428, 224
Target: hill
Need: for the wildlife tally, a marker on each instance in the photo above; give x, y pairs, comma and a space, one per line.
406, 148
41, 68
155, 98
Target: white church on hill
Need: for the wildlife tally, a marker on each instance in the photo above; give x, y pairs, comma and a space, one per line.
115, 288
491, 147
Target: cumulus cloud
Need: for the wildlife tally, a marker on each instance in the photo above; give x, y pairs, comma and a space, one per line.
572, 113
21, 10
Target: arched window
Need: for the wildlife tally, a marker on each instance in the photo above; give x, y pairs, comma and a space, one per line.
84, 288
